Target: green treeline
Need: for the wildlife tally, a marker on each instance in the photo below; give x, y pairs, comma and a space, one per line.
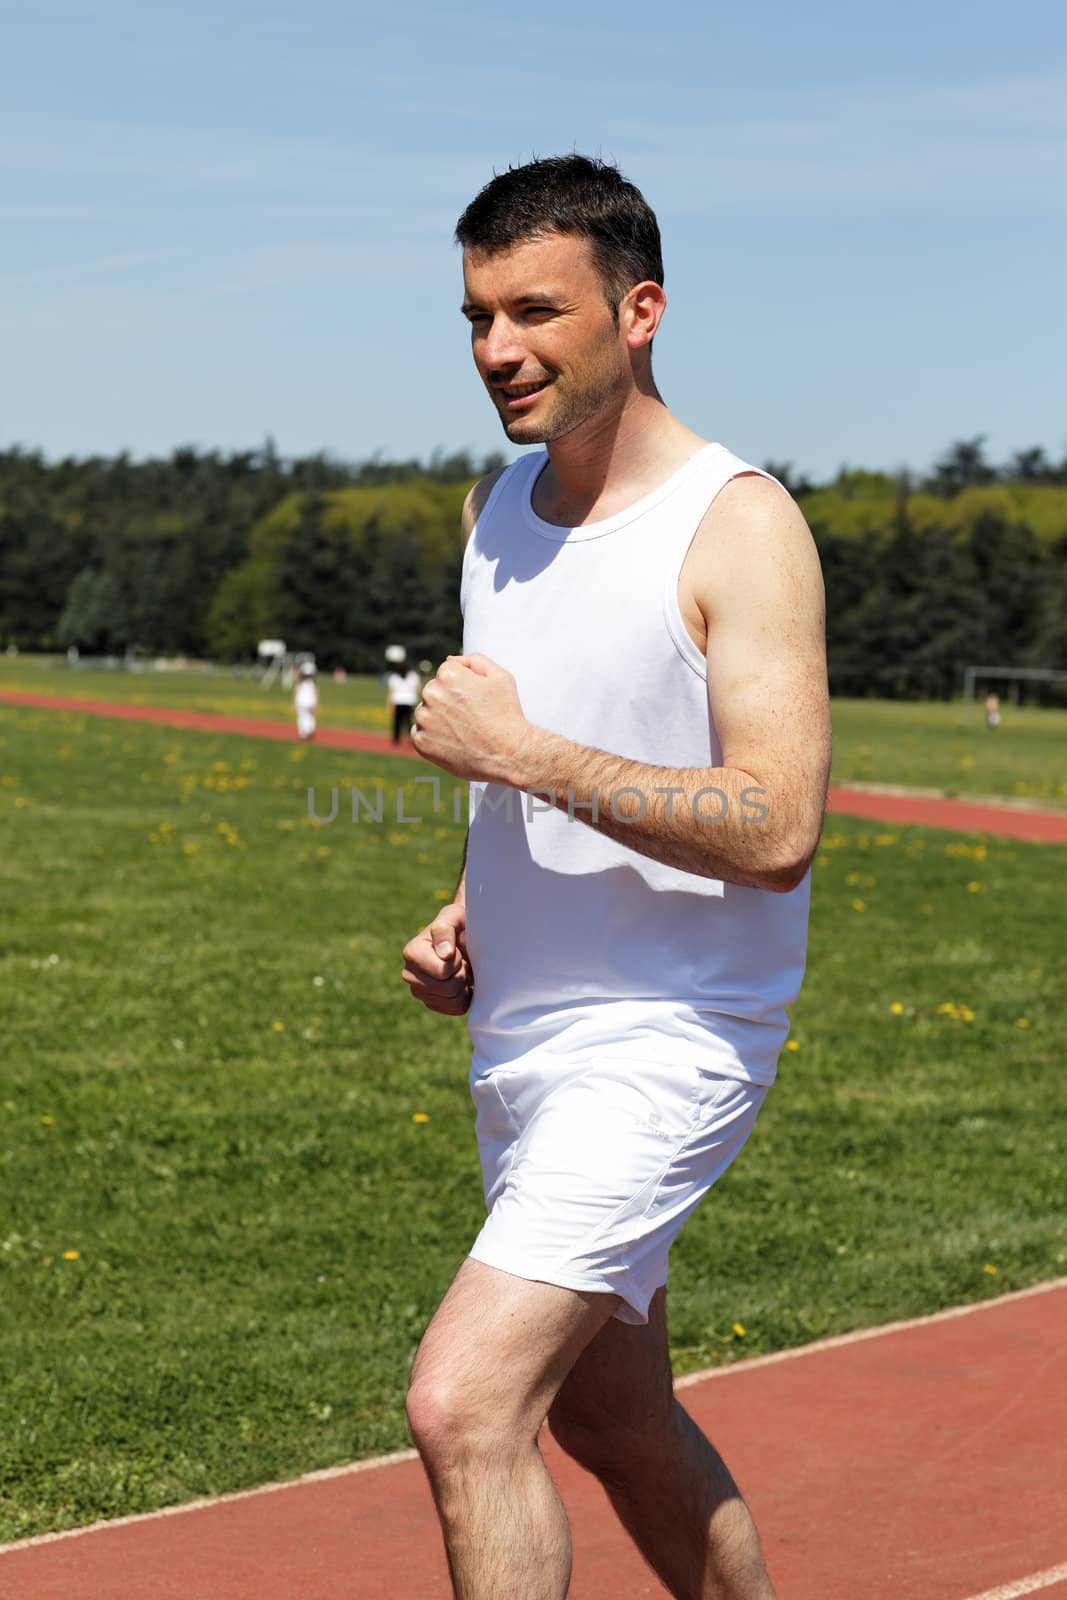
204, 554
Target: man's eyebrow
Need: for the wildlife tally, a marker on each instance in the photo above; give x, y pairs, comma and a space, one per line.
539, 297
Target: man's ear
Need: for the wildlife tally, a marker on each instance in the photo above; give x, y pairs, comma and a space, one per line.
641, 313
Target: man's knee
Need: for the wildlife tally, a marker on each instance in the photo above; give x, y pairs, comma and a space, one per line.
455, 1422
439, 1418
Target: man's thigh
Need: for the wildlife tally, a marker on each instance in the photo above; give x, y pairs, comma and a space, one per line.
499, 1346
621, 1382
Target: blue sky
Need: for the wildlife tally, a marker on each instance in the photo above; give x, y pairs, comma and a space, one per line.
222, 221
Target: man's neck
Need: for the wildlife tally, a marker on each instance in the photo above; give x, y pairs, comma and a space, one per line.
611, 462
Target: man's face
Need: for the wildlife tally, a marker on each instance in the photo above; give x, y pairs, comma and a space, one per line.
545, 342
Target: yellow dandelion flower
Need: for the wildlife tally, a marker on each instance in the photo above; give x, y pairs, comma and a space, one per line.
991, 1270
739, 1330
48, 1121
897, 1008
278, 1027
859, 905
885, 838
441, 894
420, 1116
852, 879
72, 1255
946, 1009
975, 888
792, 1044
966, 1013
1022, 1022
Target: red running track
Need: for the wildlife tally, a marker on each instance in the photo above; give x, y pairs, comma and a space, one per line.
1048, 827
924, 1461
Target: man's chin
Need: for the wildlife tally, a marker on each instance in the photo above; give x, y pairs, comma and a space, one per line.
522, 430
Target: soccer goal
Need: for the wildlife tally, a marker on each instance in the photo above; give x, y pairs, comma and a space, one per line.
989, 675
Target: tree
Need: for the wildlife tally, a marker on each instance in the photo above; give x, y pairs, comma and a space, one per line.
313, 585
794, 483
38, 560
94, 617
963, 466
1030, 466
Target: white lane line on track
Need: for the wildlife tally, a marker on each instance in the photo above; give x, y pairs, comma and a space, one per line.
1021, 1586
325, 1474
322, 1476
838, 1340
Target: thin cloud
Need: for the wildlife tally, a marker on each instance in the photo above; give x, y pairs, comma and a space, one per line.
61, 270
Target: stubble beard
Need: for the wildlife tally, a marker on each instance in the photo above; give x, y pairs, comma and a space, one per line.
568, 408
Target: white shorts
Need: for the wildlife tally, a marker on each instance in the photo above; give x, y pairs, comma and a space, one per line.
591, 1166
305, 723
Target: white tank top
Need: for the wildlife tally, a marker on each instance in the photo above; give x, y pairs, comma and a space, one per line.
579, 944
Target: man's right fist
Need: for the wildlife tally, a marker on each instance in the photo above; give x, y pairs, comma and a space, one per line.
436, 968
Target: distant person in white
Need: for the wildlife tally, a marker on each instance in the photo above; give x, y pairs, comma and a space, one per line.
641, 710
403, 687
992, 710
306, 701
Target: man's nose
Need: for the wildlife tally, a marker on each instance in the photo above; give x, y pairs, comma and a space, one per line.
502, 347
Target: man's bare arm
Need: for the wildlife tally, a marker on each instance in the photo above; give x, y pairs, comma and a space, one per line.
757, 581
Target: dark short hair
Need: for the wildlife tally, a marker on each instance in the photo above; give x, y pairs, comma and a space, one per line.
570, 194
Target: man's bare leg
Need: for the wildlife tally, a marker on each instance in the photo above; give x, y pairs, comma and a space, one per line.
617, 1415
488, 1368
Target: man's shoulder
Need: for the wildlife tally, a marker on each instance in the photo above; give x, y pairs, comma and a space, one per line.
752, 532
478, 498
751, 499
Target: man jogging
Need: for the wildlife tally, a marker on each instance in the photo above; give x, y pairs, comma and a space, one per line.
641, 710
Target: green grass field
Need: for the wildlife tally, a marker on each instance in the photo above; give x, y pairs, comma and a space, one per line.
222, 1230
357, 703
924, 745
